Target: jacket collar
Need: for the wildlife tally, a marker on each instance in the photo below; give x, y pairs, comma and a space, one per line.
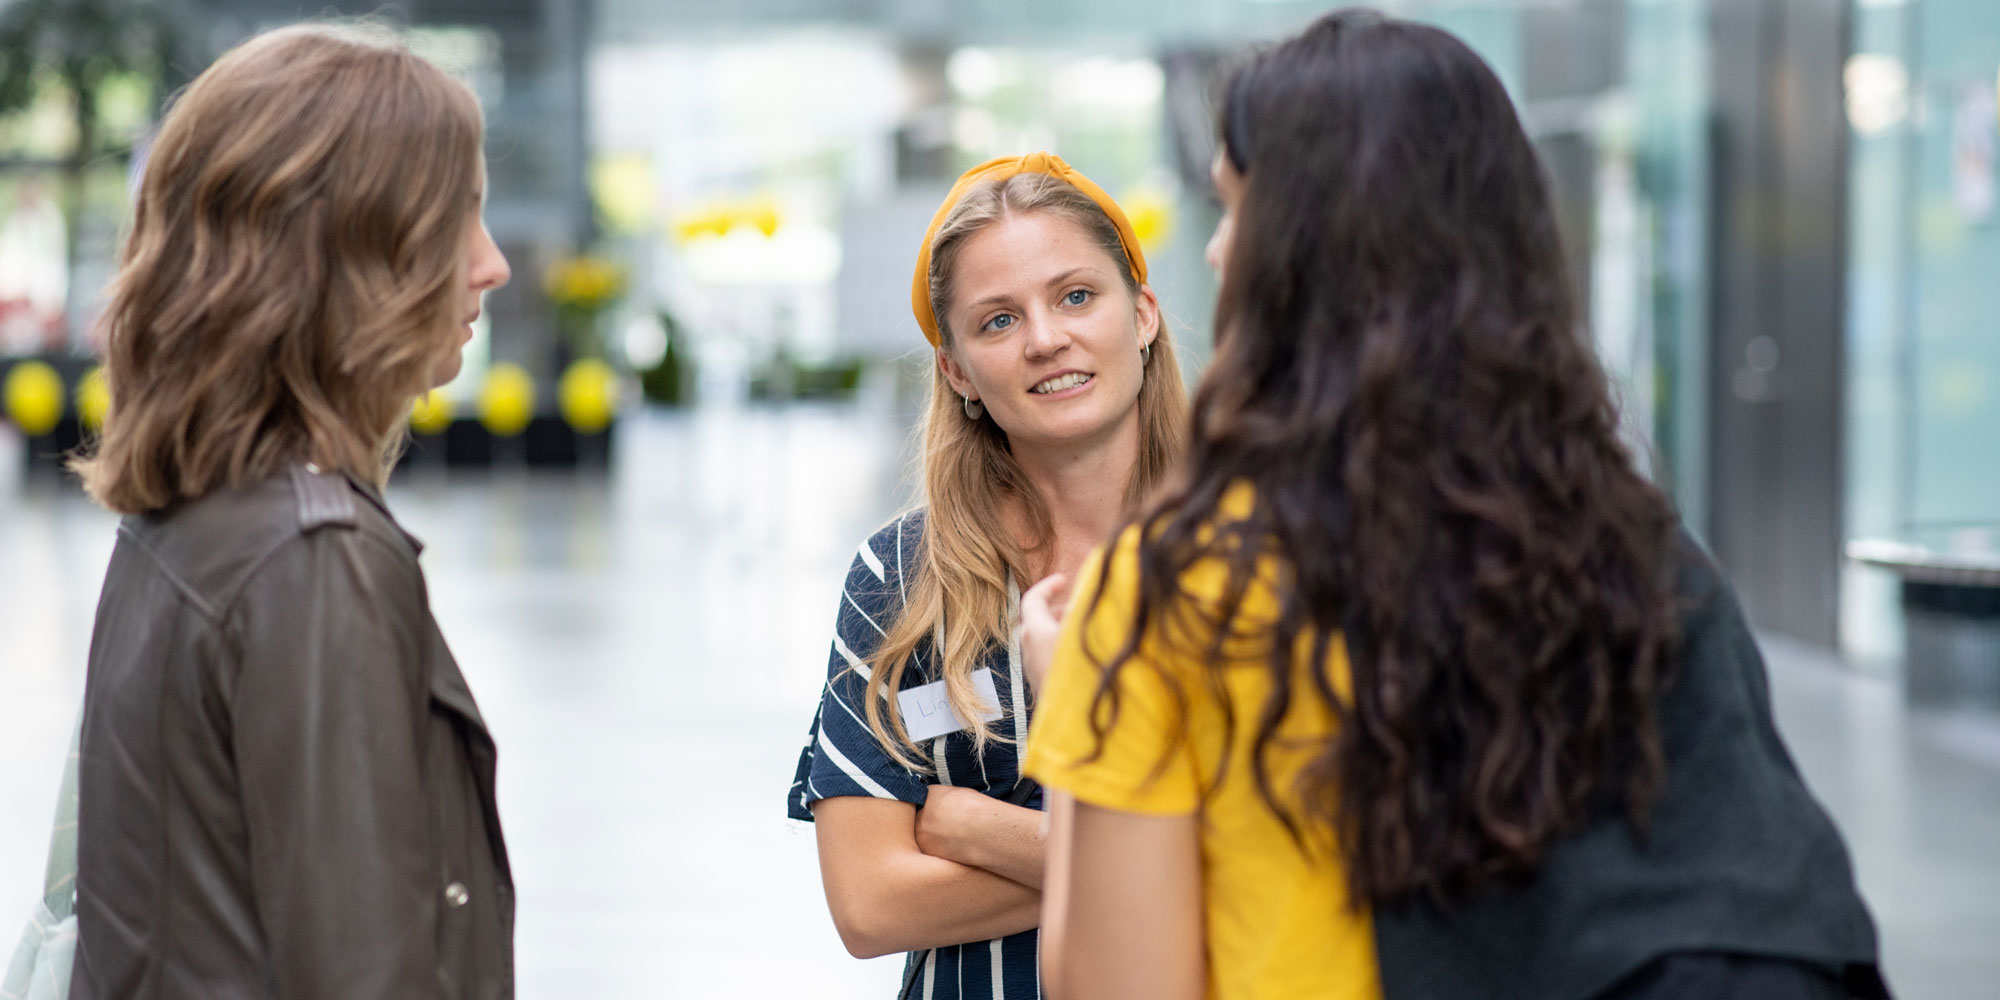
374, 496
447, 682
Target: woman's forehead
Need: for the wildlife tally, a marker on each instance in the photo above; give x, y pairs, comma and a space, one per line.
1027, 251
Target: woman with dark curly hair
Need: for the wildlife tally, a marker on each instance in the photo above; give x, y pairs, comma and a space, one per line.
1409, 684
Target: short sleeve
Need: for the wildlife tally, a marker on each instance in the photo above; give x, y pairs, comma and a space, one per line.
1143, 766
842, 757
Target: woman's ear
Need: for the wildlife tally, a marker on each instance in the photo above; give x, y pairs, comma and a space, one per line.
1147, 306
955, 375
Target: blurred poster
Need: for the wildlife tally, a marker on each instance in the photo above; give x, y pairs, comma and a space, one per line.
33, 272
1973, 128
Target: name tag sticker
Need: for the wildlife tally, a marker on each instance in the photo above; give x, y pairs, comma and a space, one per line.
927, 711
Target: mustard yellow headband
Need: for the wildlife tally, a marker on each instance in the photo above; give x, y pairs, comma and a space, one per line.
994, 172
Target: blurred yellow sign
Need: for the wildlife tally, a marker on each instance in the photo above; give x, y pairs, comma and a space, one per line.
33, 394
1151, 212
717, 218
93, 399
507, 400
587, 395
431, 413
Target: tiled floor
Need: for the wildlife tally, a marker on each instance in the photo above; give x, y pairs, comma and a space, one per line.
648, 649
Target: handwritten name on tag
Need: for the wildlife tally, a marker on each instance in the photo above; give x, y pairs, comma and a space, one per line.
927, 712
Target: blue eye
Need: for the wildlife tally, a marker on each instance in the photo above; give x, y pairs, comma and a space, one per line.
1000, 322
1077, 297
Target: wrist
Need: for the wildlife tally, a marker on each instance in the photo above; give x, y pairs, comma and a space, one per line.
961, 837
946, 824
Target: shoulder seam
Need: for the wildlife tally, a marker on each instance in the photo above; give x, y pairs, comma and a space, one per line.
201, 604
263, 561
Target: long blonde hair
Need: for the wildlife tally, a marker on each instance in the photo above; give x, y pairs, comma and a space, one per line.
291, 279
959, 588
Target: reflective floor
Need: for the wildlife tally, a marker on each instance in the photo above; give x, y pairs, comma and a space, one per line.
648, 649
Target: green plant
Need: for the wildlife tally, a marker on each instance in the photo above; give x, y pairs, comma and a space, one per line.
667, 381
581, 289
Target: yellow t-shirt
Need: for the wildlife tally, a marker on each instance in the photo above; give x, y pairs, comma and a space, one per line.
1278, 923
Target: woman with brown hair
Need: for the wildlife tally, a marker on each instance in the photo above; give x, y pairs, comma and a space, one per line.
1409, 684
285, 787
1056, 404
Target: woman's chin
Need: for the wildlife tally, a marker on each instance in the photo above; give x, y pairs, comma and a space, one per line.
446, 370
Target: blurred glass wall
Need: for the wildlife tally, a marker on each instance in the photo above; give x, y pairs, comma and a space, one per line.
754, 176
723, 199
1923, 379
769, 172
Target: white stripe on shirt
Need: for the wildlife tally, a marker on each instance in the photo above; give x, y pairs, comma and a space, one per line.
1017, 679
853, 662
999, 980
865, 616
840, 760
902, 570
873, 562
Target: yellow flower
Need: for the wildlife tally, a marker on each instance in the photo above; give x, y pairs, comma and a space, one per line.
583, 282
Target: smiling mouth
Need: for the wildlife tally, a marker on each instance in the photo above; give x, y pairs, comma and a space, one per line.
1061, 382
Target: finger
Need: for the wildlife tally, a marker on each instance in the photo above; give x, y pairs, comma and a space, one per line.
1048, 598
1060, 588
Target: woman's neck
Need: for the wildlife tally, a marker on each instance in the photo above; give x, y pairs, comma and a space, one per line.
1085, 488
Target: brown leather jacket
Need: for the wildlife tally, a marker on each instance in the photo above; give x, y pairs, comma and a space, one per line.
285, 788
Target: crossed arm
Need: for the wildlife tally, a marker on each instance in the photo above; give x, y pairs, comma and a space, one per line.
1121, 915
1118, 895
966, 867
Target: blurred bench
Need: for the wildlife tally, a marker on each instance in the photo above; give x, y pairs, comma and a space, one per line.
1951, 615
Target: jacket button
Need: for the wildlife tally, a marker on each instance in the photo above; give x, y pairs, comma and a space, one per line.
455, 895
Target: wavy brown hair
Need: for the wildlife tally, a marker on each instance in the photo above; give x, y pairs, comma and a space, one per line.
289, 282
971, 481
1402, 378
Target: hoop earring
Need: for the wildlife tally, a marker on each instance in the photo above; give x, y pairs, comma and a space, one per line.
1145, 355
973, 408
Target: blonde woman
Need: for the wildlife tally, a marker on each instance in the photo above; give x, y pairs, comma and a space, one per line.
1056, 404
285, 787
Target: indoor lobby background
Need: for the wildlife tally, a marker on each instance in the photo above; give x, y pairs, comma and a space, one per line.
694, 400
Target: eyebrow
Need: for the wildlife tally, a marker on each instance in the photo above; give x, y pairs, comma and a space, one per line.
1060, 279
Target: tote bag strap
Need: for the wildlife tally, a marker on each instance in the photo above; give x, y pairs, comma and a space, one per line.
59, 884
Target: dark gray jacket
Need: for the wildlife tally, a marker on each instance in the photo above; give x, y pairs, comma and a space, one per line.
1738, 859
285, 787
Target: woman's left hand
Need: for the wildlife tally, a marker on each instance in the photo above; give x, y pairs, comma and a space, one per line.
1042, 609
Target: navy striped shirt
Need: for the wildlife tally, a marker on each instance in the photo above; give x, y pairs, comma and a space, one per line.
842, 756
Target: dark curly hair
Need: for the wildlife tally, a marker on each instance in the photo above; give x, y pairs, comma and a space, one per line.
1402, 376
